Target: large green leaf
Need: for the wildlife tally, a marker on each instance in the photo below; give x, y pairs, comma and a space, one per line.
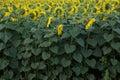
65, 62
54, 49
97, 52
31, 76
106, 50
108, 37
91, 77
27, 55
69, 48
74, 32
42, 65
77, 57
117, 30
115, 45
63, 77
8, 74
36, 52
114, 61
34, 65
77, 70
11, 52
86, 53
81, 42
45, 55
2, 46
3, 64
92, 42
84, 70
91, 62
28, 40
45, 44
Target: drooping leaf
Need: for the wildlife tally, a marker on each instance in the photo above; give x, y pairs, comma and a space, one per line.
77, 57
81, 42
45, 55
69, 48
65, 62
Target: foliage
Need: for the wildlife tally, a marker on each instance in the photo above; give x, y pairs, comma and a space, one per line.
32, 49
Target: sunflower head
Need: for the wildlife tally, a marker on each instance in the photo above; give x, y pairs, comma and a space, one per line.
58, 11
59, 29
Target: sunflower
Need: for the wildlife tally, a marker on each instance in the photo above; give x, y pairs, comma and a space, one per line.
13, 19
7, 13
49, 21
59, 29
73, 10
58, 11
90, 22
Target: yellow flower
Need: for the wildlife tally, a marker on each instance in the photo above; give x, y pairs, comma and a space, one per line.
58, 11
7, 14
90, 22
17, 6
104, 18
73, 10
10, 9
13, 19
59, 29
49, 21
97, 10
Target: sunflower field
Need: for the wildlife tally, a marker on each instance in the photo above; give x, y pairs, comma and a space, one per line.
59, 39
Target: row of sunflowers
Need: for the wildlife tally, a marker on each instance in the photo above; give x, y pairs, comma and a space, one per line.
77, 10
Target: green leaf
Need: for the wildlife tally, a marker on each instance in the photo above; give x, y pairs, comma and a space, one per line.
31, 76
54, 61
45, 44
77, 70
75, 78
86, 53
74, 32
27, 41
11, 52
117, 30
92, 42
81, 42
42, 65
7, 36
49, 35
97, 52
14, 64
84, 70
2, 46
108, 37
91, 62
63, 77
65, 62
16, 43
8, 74
106, 50
113, 61
115, 45
2, 26
65, 35
34, 65
69, 48
3, 64
36, 52
90, 77
1, 36
45, 55
77, 57
54, 49
106, 77
27, 55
